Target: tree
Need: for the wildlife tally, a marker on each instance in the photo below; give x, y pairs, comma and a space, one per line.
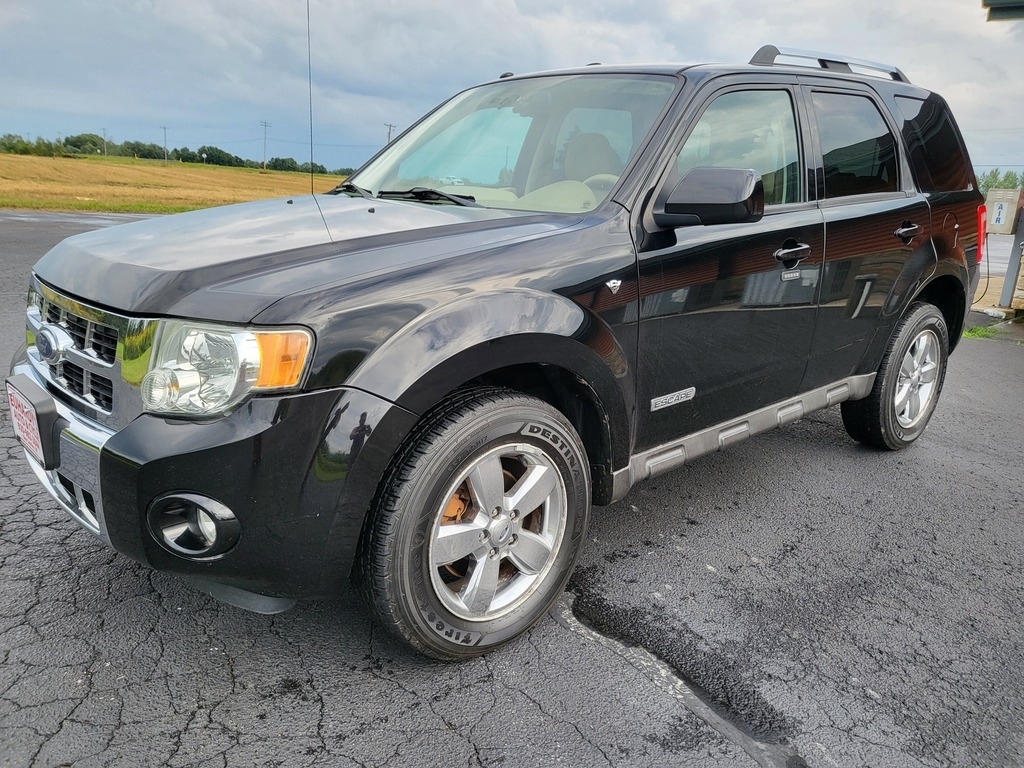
1009, 180
83, 144
186, 155
994, 178
282, 164
142, 150
11, 143
314, 168
217, 156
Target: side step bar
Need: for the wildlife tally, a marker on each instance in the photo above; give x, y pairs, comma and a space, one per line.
660, 459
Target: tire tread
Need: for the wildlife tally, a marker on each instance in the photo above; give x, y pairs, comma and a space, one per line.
373, 563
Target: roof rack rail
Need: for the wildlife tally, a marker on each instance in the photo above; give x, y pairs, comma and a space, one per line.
767, 55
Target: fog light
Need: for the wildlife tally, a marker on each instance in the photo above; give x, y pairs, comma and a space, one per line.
193, 526
207, 526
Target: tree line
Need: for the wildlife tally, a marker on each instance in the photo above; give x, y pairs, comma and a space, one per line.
92, 144
997, 179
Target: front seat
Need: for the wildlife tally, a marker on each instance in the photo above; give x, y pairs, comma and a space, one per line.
590, 154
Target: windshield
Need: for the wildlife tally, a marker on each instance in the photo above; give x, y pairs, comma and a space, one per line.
555, 144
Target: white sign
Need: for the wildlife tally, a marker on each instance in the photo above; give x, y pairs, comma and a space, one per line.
23, 419
1002, 205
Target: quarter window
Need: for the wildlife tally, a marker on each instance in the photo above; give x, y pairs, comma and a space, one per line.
749, 129
936, 153
858, 149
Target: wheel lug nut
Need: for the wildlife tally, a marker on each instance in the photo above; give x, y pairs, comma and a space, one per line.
493, 553
513, 514
496, 513
513, 540
484, 535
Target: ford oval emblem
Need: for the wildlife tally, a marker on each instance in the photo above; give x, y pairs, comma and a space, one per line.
49, 344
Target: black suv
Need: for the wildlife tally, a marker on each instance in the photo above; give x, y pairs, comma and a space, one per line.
549, 288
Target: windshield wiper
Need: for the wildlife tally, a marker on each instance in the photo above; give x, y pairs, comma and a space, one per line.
348, 186
426, 193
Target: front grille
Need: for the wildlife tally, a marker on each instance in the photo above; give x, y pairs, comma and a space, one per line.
87, 371
90, 337
93, 387
80, 503
104, 343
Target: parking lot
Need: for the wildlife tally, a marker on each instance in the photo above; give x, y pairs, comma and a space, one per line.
798, 599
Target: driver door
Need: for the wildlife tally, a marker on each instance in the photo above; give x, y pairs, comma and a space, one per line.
726, 327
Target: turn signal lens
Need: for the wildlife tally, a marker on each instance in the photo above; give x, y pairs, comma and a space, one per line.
282, 358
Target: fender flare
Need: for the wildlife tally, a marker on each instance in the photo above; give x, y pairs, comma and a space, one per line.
918, 277
479, 334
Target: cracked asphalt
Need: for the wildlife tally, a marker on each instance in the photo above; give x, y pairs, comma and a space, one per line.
796, 600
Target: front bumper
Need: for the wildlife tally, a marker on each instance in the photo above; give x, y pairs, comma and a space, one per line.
288, 467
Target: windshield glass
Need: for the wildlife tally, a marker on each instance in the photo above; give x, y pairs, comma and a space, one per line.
556, 144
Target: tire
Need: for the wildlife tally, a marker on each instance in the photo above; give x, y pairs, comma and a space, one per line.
477, 525
908, 384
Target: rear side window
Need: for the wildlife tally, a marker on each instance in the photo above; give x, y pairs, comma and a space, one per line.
936, 154
858, 149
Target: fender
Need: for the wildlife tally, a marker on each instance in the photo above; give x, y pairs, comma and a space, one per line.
481, 333
921, 273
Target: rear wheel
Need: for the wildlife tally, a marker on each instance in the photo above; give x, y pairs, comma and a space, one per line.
477, 525
908, 384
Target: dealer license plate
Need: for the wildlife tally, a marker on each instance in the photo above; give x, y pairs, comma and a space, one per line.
26, 426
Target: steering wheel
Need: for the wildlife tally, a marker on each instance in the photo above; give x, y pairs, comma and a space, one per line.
600, 183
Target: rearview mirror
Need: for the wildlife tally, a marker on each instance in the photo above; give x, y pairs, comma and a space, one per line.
713, 196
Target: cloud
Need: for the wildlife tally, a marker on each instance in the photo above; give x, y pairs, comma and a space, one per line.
212, 71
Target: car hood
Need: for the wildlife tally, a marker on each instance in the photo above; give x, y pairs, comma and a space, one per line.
232, 262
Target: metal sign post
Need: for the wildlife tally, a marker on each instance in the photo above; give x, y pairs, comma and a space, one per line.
1013, 268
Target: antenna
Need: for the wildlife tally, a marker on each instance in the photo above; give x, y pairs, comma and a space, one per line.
309, 77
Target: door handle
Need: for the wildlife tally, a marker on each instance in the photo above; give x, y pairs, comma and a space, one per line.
908, 231
792, 253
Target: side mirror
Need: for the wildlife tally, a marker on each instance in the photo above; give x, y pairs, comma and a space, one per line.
713, 196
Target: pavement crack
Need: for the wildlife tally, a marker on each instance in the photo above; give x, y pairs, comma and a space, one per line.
765, 748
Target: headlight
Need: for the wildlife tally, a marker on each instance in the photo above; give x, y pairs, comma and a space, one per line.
205, 369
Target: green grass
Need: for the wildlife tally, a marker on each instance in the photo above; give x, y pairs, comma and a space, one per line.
981, 332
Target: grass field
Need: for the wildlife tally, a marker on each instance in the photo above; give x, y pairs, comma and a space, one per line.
139, 186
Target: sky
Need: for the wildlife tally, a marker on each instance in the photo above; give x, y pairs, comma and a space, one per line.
210, 72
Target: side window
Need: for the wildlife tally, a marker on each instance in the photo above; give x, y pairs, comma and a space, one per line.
749, 129
936, 154
858, 149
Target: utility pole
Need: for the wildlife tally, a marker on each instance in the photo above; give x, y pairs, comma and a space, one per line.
390, 128
104, 142
165, 142
265, 125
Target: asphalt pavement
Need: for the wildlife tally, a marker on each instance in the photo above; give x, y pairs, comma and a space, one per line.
795, 600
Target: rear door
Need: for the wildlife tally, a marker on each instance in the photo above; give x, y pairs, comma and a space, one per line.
877, 230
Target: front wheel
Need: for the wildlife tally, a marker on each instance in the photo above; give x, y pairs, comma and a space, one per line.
908, 384
477, 525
